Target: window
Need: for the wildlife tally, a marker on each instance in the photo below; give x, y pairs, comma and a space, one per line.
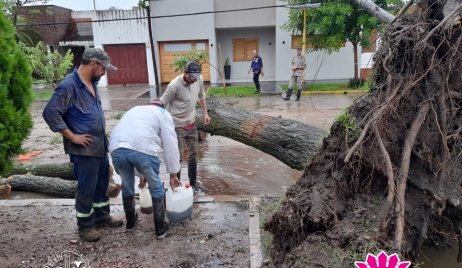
200, 46
242, 49
177, 47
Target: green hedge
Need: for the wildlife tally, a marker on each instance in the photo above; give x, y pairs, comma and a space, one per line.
15, 95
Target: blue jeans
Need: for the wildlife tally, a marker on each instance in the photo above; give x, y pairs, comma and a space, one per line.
91, 200
126, 160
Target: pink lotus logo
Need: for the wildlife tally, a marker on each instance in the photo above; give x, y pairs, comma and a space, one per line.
382, 261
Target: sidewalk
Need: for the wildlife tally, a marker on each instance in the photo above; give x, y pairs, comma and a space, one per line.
35, 232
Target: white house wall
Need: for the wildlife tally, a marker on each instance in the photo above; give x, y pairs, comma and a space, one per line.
239, 69
244, 19
182, 28
320, 65
131, 31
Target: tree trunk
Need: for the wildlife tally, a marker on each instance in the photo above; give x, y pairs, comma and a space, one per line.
38, 184
63, 170
290, 141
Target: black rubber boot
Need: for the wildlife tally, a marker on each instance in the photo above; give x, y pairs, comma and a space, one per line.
192, 172
289, 93
158, 206
130, 214
299, 93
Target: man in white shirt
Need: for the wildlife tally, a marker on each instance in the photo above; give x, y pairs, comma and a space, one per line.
136, 142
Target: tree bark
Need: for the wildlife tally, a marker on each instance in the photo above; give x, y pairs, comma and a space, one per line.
290, 141
376, 11
38, 184
63, 170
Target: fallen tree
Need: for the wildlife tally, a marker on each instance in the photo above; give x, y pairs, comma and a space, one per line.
63, 170
290, 141
395, 184
55, 187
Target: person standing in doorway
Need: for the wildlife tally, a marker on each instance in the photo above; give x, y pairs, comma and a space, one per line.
298, 67
180, 99
75, 111
256, 66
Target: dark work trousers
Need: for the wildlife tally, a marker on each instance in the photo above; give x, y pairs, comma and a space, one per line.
256, 76
188, 139
91, 200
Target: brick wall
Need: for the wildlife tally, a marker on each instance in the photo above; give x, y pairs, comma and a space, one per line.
49, 14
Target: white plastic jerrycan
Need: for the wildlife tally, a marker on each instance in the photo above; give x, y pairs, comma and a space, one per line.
179, 203
145, 201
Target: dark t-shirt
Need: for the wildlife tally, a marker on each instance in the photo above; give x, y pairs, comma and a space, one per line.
256, 64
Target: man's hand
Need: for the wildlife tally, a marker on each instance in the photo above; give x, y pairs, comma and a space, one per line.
81, 139
206, 119
174, 181
142, 183
262, 74
248, 72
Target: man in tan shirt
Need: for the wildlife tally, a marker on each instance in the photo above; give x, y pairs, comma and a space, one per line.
298, 67
180, 99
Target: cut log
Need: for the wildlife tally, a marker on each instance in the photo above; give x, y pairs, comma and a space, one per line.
290, 141
63, 170
51, 186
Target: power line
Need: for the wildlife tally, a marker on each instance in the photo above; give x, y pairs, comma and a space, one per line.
155, 17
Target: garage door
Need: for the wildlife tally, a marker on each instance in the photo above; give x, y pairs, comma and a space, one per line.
130, 61
167, 56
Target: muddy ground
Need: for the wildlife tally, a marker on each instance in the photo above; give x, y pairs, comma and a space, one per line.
218, 234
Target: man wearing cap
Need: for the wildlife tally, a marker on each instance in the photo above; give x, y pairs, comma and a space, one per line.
180, 99
136, 143
75, 111
256, 66
298, 67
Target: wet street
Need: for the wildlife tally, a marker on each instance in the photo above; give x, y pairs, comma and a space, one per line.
227, 167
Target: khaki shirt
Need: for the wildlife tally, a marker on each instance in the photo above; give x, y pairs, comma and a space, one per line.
180, 100
299, 63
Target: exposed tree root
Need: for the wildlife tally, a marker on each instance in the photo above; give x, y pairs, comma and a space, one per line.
408, 154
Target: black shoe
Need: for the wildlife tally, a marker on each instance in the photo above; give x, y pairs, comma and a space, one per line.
257, 91
297, 99
286, 98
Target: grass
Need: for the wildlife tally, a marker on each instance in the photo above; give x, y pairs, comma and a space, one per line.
320, 88
249, 91
233, 91
268, 206
42, 94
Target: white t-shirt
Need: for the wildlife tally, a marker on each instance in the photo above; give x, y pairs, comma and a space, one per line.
148, 129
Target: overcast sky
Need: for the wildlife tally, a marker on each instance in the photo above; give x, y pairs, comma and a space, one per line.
88, 4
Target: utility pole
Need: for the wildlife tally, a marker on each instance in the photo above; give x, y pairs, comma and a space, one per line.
94, 5
151, 41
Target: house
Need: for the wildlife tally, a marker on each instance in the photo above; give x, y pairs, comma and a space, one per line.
231, 29
52, 23
124, 35
237, 33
